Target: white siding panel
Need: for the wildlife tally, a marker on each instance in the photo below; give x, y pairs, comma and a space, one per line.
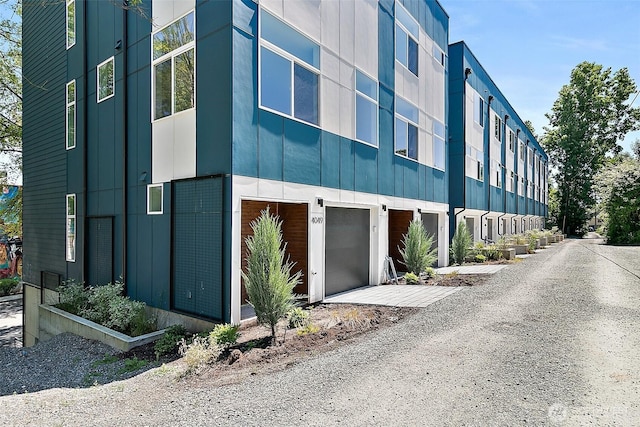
184, 145
411, 87
162, 151
347, 30
399, 80
437, 92
276, 7
347, 78
181, 7
422, 147
330, 64
330, 12
330, 105
366, 36
347, 113
305, 16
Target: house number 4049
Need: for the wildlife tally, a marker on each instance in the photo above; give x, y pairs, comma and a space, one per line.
317, 220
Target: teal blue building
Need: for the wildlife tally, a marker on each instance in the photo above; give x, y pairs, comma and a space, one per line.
153, 136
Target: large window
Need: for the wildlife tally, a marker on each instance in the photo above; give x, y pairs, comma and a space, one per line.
105, 81
71, 115
407, 36
174, 67
510, 180
475, 156
521, 151
71, 23
154, 199
366, 109
406, 129
512, 141
289, 70
478, 110
439, 153
71, 228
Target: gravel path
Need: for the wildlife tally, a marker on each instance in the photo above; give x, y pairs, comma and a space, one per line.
549, 341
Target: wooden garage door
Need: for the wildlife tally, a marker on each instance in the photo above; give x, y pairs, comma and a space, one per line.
398, 226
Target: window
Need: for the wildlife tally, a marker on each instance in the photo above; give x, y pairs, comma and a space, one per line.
497, 170
439, 157
366, 109
438, 54
154, 199
289, 70
71, 23
480, 176
521, 192
510, 181
529, 189
512, 141
105, 82
406, 129
478, 110
530, 154
174, 67
497, 132
71, 227
407, 36
521, 151
71, 115
477, 157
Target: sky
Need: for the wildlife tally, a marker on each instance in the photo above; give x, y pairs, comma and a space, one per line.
529, 47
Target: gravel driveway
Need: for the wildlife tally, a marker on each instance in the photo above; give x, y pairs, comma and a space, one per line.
552, 340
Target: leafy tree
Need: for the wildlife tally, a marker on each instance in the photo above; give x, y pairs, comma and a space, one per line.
416, 252
635, 148
618, 187
532, 129
268, 279
11, 87
461, 243
590, 116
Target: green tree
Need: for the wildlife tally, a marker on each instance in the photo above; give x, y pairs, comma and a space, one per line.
461, 243
618, 188
268, 279
591, 115
416, 252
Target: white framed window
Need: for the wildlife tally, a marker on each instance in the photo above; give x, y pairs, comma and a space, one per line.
173, 55
366, 109
70, 126
71, 228
476, 157
529, 189
478, 110
530, 157
154, 199
71, 23
497, 131
407, 36
439, 148
406, 127
521, 192
512, 141
438, 54
289, 76
497, 170
510, 180
521, 151
105, 80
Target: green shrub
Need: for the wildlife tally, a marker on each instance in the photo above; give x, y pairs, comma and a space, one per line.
268, 279
461, 243
7, 286
411, 278
532, 242
201, 351
224, 335
492, 253
480, 258
430, 272
298, 317
106, 306
169, 342
416, 252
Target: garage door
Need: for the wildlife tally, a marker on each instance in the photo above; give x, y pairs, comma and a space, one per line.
346, 249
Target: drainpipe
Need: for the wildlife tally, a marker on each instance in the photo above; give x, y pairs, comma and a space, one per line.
85, 153
467, 73
125, 142
516, 162
526, 179
503, 171
488, 165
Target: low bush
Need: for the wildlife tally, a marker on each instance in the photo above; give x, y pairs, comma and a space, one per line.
106, 306
201, 351
411, 278
224, 335
430, 272
169, 342
298, 317
7, 286
480, 258
416, 252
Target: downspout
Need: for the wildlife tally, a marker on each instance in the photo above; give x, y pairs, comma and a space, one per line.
85, 153
503, 172
467, 73
487, 166
526, 180
125, 142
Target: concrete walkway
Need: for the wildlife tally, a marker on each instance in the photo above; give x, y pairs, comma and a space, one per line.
393, 295
11, 321
471, 269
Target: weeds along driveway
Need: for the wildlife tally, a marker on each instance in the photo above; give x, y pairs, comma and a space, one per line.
549, 341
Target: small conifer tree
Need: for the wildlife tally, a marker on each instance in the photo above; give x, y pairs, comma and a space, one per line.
416, 253
461, 243
268, 279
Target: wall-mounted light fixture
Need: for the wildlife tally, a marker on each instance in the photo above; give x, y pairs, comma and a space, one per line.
118, 45
384, 208
320, 201
419, 210
143, 177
